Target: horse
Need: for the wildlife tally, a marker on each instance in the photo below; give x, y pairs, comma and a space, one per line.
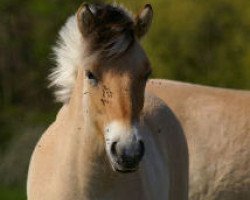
111, 139
216, 123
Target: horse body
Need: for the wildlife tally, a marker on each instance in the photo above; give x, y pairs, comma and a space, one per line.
107, 142
216, 123
69, 161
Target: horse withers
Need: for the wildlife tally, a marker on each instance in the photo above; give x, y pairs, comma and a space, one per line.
110, 140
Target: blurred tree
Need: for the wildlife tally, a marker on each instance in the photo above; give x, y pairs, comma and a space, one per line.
203, 42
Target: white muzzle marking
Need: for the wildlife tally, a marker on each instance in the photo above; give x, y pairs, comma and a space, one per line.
127, 144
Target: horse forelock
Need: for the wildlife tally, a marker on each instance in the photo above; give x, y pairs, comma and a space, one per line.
113, 32
112, 36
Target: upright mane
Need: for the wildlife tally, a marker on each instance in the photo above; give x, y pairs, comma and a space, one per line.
113, 34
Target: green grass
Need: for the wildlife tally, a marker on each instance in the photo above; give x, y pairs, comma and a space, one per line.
7, 193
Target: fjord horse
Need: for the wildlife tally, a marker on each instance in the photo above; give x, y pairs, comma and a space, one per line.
216, 123
110, 140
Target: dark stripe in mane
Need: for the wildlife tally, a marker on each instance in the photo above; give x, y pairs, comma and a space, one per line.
113, 31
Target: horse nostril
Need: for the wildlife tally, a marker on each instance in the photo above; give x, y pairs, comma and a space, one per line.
141, 149
127, 155
113, 149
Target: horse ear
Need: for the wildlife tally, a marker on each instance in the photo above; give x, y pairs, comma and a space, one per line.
143, 21
85, 19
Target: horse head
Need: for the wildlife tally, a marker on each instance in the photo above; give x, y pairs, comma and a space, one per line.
115, 69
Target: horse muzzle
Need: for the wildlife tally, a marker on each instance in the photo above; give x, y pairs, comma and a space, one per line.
124, 146
126, 156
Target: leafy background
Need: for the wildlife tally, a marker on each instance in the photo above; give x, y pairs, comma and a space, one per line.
205, 42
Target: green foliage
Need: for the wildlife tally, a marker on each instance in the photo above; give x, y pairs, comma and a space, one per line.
12, 193
204, 42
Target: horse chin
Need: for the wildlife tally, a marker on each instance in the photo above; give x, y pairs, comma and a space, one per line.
120, 169
126, 171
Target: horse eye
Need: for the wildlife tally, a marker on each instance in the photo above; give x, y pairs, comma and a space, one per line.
90, 75
92, 78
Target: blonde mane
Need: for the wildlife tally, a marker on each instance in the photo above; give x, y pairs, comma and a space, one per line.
68, 55
70, 52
